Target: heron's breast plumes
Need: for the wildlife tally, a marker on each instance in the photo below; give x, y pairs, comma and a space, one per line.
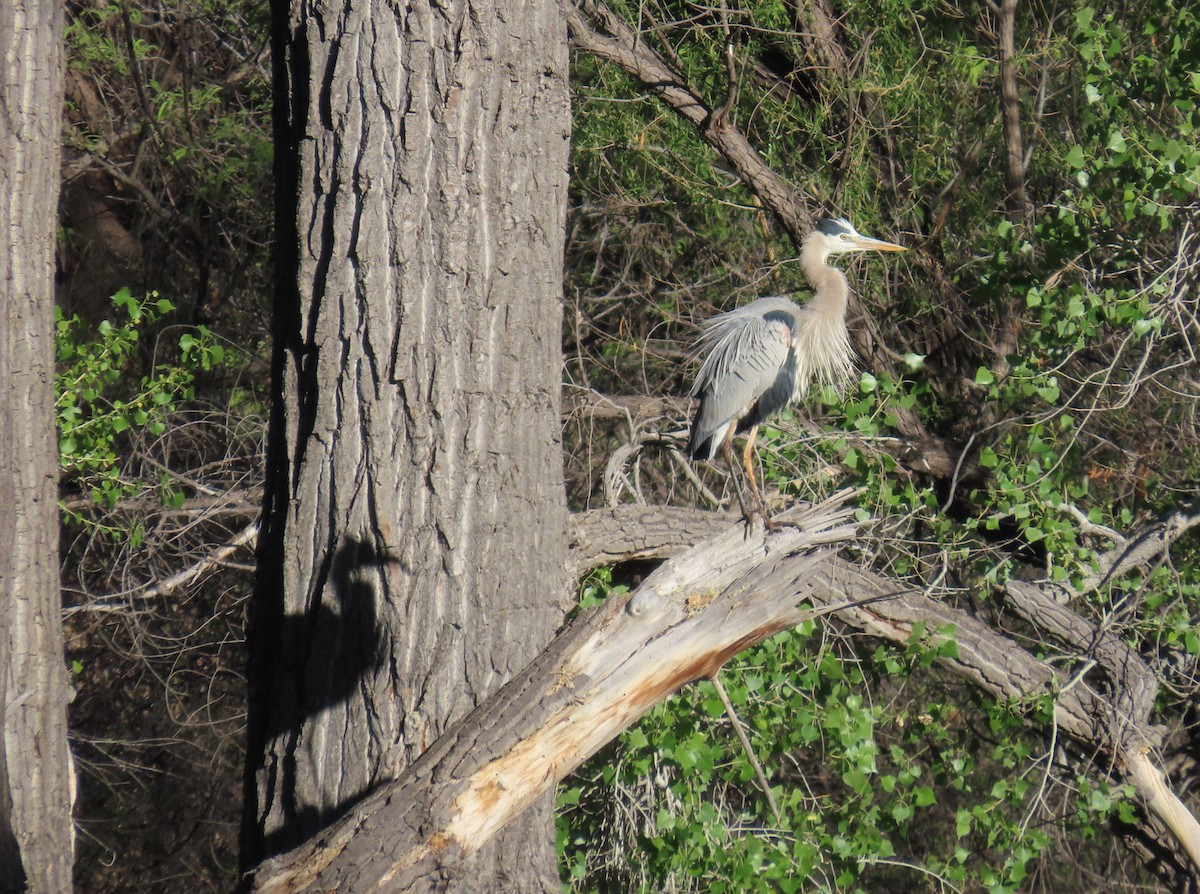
823, 353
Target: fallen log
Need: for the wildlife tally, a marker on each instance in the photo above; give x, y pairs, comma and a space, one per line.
613, 663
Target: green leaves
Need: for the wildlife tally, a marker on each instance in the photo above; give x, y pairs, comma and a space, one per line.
1062, 321
102, 402
705, 824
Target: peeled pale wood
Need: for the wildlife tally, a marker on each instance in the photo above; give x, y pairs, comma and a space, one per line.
1151, 785
607, 669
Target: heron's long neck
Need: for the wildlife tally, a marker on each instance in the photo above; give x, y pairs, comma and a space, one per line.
831, 291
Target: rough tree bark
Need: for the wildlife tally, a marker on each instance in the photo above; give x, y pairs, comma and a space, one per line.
413, 546
730, 591
36, 839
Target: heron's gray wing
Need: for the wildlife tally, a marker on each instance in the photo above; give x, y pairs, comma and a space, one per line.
747, 348
745, 344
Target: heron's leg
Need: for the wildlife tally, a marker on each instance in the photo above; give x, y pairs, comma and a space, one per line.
727, 449
748, 465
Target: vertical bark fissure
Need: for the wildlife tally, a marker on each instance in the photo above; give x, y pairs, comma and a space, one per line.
426, 509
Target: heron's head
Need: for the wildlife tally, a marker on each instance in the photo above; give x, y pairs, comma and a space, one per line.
838, 236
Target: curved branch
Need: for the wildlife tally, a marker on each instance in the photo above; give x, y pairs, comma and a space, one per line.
610, 665
596, 29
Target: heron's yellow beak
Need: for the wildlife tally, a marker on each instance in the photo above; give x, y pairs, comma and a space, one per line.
867, 243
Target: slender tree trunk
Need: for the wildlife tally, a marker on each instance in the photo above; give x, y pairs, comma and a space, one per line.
1005, 14
35, 801
413, 545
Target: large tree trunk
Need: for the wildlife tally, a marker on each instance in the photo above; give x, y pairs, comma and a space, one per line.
35, 804
413, 548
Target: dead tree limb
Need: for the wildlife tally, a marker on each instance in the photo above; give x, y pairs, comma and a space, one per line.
594, 405
245, 538
603, 672
608, 667
627, 533
1116, 722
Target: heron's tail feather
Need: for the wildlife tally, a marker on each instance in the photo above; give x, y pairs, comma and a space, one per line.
702, 443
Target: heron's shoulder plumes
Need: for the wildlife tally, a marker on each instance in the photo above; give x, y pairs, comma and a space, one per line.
735, 337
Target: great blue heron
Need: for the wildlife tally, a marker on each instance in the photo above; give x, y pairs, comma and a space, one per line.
764, 355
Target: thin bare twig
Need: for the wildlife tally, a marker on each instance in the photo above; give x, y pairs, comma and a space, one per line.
759, 773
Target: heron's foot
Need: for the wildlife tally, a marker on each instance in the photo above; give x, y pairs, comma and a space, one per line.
764, 512
749, 518
747, 512
754, 505
750, 513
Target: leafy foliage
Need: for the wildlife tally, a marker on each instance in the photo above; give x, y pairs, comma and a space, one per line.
1054, 348
95, 407
918, 794
167, 190
169, 157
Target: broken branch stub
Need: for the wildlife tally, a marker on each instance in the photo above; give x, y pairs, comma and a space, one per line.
603, 672
610, 665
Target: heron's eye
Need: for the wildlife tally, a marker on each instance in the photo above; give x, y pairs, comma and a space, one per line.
844, 237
